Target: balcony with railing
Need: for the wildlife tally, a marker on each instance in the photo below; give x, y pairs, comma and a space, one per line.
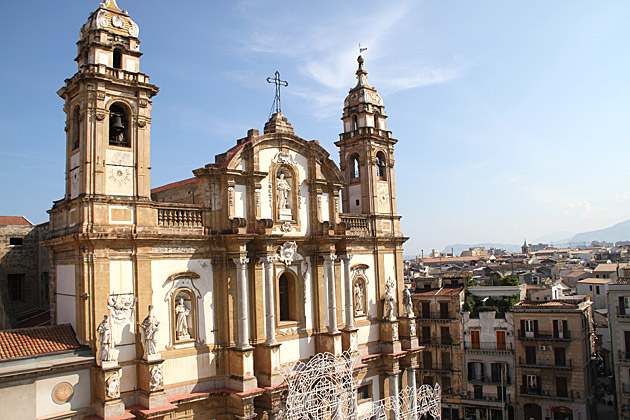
623, 312
488, 346
556, 364
472, 396
624, 356
449, 367
437, 315
371, 131
357, 224
540, 392
180, 218
544, 335
446, 340
490, 380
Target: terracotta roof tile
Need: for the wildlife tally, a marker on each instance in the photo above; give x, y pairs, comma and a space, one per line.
14, 220
39, 340
174, 185
548, 304
444, 291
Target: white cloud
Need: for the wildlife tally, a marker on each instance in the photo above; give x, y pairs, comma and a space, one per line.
324, 50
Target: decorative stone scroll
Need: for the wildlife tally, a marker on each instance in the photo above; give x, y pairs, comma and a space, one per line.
284, 157
183, 280
112, 385
287, 252
121, 307
156, 379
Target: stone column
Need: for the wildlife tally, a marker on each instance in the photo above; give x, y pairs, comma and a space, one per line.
411, 383
332, 296
349, 293
243, 300
270, 308
394, 392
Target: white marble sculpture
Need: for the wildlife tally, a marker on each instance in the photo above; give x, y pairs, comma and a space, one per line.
390, 300
287, 252
149, 335
282, 191
106, 349
182, 312
112, 386
406, 295
358, 297
155, 381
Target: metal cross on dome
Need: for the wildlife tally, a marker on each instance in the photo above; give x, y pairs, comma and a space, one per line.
276, 80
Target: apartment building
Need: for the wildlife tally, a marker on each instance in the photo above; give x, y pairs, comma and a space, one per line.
440, 329
619, 317
488, 392
553, 357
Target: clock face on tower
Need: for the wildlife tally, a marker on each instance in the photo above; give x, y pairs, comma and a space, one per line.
120, 175
382, 194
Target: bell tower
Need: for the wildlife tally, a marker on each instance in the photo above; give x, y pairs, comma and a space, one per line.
366, 151
108, 109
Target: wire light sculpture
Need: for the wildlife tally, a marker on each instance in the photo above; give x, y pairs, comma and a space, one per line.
325, 388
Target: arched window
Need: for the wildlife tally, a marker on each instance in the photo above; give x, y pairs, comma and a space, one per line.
286, 297
355, 123
381, 165
75, 129
118, 127
354, 167
117, 64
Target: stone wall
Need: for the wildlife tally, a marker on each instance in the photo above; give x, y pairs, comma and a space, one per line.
29, 259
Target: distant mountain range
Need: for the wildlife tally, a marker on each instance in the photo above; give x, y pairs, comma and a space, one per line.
615, 233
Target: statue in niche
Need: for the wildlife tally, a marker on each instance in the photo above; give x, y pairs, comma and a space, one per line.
106, 350
390, 300
182, 312
406, 295
282, 192
358, 297
149, 333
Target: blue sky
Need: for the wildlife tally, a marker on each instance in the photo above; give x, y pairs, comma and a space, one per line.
513, 118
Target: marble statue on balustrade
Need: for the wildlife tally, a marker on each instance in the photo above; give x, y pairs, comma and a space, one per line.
390, 300
106, 353
150, 335
407, 302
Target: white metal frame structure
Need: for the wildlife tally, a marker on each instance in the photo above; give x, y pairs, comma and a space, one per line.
324, 388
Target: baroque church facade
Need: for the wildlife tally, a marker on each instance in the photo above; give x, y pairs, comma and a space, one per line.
191, 296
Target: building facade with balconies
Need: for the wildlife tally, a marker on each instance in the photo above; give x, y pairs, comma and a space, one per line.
488, 392
440, 330
553, 357
619, 318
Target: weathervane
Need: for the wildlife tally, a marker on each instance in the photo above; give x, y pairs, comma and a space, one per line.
361, 49
276, 101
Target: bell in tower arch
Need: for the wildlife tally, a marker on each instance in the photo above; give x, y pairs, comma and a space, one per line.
117, 127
